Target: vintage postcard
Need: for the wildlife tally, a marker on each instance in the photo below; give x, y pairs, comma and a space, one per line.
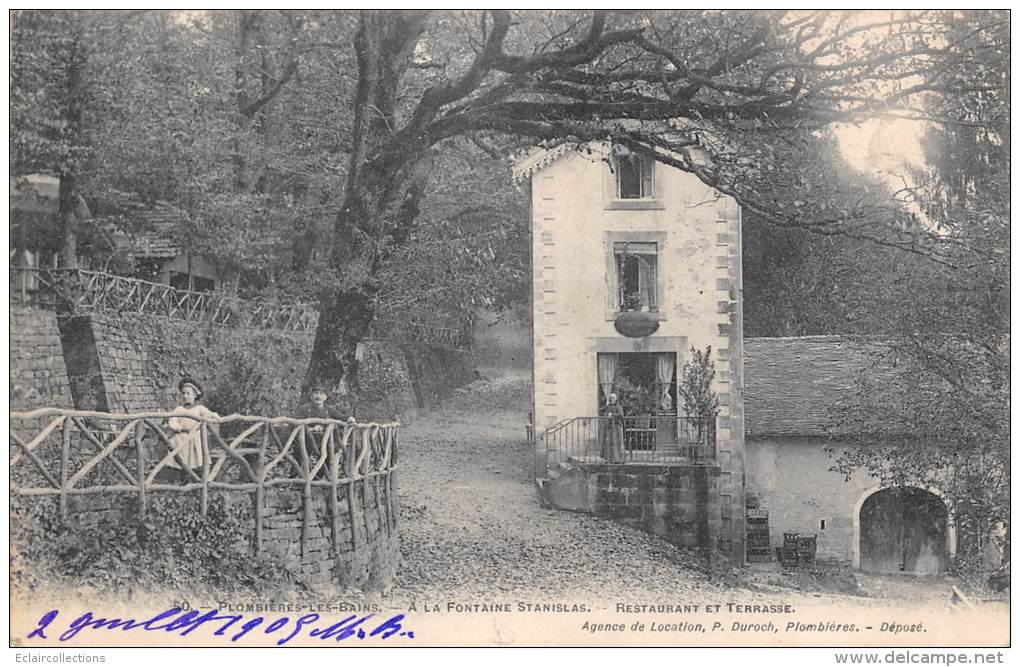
510, 328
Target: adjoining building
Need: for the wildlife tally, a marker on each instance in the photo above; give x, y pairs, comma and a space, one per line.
792, 389
139, 241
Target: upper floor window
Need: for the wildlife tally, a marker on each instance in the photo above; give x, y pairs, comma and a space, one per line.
634, 174
636, 275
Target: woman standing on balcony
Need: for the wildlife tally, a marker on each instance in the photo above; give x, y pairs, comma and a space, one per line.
186, 438
612, 434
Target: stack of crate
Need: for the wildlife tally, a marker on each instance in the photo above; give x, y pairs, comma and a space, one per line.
807, 547
788, 552
798, 551
759, 545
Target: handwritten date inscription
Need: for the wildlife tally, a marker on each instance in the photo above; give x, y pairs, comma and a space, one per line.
231, 626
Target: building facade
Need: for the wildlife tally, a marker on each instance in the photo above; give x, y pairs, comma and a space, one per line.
793, 388
614, 231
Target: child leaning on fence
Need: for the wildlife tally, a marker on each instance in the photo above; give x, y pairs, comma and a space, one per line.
186, 433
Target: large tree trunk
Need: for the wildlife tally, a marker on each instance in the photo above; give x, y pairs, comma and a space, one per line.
343, 324
377, 212
69, 209
384, 183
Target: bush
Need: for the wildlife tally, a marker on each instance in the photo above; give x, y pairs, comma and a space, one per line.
175, 547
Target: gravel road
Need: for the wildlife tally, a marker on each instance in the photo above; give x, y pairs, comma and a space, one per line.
472, 525
472, 528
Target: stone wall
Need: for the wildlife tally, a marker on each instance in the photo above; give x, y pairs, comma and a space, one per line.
366, 555
131, 363
679, 503
142, 358
38, 376
368, 550
792, 480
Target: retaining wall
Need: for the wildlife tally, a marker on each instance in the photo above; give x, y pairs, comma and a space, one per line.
367, 550
131, 363
679, 503
37, 374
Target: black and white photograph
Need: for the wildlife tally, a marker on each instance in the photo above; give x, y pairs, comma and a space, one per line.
484, 327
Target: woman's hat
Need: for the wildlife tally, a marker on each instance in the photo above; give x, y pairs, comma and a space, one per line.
188, 381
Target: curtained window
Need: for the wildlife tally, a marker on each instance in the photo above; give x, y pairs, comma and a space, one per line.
665, 376
637, 266
607, 375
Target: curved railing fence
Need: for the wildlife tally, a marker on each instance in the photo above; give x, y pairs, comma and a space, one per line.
73, 453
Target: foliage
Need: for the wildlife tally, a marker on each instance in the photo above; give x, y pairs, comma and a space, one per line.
635, 399
695, 387
175, 547
242, 388
797, 282
632, 302
359, 159
243, 371
382, 380
944, 421
734, 97
469, 249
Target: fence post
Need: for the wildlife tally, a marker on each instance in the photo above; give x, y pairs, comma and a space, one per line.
349, 472
204, 436
392, 497
306, 494
140, 455
329, 440
363, 469
260, 475
65, 462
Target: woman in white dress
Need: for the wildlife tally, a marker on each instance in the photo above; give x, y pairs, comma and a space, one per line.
186, 431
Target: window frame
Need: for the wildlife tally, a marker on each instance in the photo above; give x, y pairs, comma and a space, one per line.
619, 254
613, 303
613, 200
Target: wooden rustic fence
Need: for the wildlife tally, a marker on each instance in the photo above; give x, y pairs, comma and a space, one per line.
73, 453
392, 329
82, 291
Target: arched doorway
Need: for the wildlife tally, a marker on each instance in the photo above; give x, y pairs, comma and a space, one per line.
904, 530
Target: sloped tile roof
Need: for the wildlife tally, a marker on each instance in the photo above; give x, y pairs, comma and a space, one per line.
792, 386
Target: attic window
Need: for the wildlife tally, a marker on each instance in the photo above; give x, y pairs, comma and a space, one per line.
633, 174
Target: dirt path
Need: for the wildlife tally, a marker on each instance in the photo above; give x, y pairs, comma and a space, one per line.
472, 527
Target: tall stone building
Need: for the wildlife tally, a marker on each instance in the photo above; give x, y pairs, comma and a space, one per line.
614, 231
